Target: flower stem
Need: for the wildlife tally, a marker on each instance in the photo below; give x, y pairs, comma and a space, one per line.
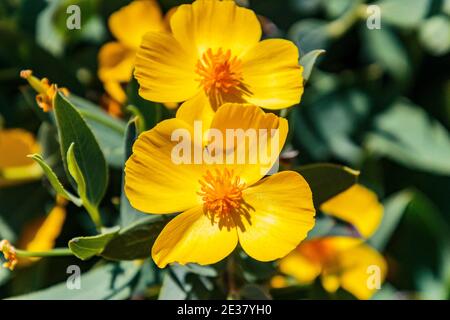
231, 282
339, 26
57, 252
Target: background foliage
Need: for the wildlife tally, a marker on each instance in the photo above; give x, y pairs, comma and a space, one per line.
377, 101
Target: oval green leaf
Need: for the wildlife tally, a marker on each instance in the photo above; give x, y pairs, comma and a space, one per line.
327, 180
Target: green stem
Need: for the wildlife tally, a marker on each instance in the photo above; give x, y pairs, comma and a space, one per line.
57, 252
230, 277
95, 215
339, 26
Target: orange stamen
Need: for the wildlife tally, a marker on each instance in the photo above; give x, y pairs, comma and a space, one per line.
221, 193
219, 72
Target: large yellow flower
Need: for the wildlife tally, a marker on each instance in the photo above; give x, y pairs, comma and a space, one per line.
128, 25
214, 55
15, 167
340, 262
221, 204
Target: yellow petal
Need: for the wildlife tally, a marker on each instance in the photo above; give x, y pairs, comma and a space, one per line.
154, 183
115, 90
15, 145
255, 149
165, 72
192, 237
358, 206
115, 62
197, 109
15, 166
301, 268
130, 23
359, 270
42, 237
272, 74
215, 24
41, 234
280, 214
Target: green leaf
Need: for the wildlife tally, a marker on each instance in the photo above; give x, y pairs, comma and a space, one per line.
325, 127
327, 180
87, 247
136, 240
385, 48
403, 13
128, 214
308, 61
77, 175
87, 154
335, 8
112, 281
180, 283
435, 35
54, 181
109, 131
425, 268
309, 35
46, 34
406, 134
394, 207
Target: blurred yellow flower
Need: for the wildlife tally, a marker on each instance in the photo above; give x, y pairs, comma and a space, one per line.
46, 91
214, 55
221, 203
40, 235
128, 25
340, 262
358, 206
15, 166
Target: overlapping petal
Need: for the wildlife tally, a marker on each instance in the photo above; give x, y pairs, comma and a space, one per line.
280, 212
192, 237
154, 183
358, 206
254, 139
272, 74
215, 24
164, 70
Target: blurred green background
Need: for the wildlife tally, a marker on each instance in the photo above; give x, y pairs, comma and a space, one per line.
378, 101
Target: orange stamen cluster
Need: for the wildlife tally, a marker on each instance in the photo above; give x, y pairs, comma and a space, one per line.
219, 72
221, 193
46, 90
9, 253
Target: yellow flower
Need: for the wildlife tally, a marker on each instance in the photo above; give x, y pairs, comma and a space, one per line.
340, 262
15, 166
46, 90
40, 235
9, 252
213, 56
128, 25
221, 204
358, 206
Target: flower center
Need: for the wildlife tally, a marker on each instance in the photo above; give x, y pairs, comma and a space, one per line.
219, 72
221, 193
